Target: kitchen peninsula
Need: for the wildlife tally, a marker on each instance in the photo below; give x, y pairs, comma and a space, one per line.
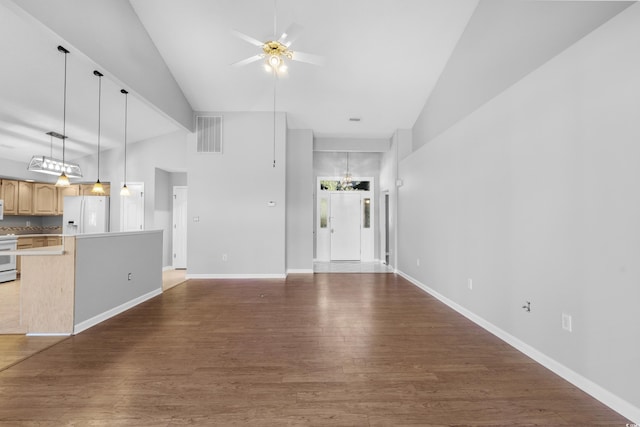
88, 279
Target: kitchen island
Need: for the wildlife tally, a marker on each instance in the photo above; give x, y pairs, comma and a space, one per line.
88, 279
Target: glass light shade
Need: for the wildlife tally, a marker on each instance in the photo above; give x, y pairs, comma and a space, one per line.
51, 166
97, 188
124, 191
275, 61
63, 181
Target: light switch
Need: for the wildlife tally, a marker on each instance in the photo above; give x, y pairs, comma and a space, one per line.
271, 204
196, 219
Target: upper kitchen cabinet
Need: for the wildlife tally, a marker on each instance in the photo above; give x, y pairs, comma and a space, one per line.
25, 198
45, 198
72, 190
85, 190
10, 196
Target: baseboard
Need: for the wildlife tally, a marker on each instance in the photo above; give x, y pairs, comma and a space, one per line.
114, 311
614, 402
45, 334
236, 276
167, 268
300, 271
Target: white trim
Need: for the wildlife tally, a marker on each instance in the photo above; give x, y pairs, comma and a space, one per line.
300, 271
114, 311
614, 402
167, 268
236, 276
47, 334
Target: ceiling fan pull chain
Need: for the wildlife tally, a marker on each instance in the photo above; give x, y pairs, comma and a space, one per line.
275, 81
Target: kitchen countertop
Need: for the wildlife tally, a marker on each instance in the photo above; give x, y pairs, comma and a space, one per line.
47, 250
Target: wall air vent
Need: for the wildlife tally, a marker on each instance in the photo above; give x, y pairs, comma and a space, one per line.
209, 131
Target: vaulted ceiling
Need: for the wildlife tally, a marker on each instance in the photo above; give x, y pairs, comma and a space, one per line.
383, 60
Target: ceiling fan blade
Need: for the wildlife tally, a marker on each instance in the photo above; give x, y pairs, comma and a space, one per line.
247, 38
246, 61
290, 35
308, 58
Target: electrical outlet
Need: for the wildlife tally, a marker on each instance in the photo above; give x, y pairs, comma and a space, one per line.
567, 323
224, 257
470, 284
130, 276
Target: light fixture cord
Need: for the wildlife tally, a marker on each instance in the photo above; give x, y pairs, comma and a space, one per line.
275, 19
125, 135
64, 112
99, 99
275, 81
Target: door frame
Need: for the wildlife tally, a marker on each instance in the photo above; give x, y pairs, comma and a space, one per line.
367, 236
182, 230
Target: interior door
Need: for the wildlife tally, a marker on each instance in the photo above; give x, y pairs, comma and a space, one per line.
345, 226
132, 208
179, 227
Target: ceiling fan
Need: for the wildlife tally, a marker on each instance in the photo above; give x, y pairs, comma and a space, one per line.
276, 52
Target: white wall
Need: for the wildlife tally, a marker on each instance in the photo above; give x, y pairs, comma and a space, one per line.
167, 152
229, 193
400, 142
536, 196
299, 200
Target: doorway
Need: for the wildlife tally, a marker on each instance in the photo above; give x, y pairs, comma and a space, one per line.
132, 208
179, 236
345, 220
345, 226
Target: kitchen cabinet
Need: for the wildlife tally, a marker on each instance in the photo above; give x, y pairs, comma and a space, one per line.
53, 241
44, 199
85, 190
10, 196
25, 198
72, 190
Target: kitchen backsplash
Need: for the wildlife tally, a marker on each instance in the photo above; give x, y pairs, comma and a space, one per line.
29, 230
30, 225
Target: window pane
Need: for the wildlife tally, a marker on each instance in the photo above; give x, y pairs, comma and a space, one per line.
323, 213
367, 213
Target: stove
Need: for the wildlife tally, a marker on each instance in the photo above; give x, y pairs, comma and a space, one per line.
7, 262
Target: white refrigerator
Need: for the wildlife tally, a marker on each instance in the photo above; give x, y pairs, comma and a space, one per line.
85, 214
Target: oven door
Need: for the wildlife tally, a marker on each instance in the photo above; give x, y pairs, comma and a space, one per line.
7, 262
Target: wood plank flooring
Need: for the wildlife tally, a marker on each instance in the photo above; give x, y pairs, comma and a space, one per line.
321, 349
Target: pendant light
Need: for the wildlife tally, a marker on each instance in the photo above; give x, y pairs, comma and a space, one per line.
63, 181
97, 187
346, 181
124, 191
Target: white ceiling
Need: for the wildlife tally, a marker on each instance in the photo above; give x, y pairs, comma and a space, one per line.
383, 59
31, 97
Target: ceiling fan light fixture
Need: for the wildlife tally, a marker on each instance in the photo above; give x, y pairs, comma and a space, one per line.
275, 61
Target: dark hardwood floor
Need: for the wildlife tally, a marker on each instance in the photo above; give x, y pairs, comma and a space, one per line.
322, 349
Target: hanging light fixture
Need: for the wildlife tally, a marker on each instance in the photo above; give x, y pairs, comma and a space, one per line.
124, 191
347, 180
63, 181
97, 187
50, 165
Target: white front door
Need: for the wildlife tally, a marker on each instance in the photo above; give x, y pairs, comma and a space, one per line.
179, 227
132, 208
345, 226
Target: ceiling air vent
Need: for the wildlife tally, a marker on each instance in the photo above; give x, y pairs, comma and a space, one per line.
209, 130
